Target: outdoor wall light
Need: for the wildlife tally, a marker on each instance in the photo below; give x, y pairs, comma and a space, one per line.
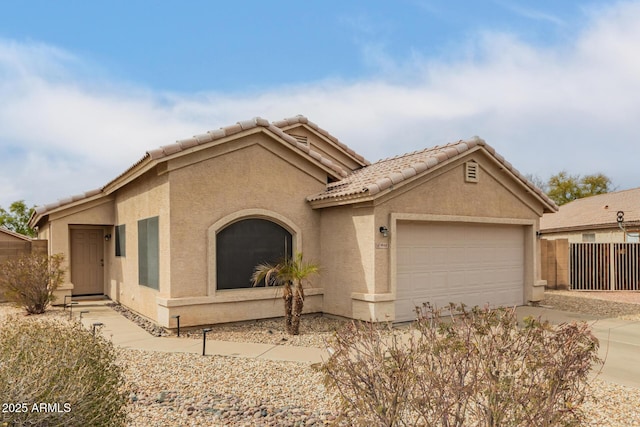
204, 338
385, 231
95, 325
177, 317
107, 237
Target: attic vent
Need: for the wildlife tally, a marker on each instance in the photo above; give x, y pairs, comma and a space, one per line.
471, 172
301, 139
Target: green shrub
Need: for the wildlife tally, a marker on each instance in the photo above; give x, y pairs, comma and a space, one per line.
55, 373
476, 368
30, 280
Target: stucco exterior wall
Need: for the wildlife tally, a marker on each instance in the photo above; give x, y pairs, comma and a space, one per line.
251, 177
6, 237
96, 213
361, 263
601, 236
147, 197
348, 256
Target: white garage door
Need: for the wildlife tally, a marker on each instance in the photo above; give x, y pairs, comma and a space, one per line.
475, 264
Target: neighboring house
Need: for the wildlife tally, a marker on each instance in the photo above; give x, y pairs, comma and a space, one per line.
7, 235
14, 245
607, 261
180, 231
594, 219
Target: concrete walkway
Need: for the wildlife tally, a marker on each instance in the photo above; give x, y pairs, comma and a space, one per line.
126, 334
619, 340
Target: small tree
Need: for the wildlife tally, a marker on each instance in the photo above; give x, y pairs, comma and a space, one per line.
56, 373
17, 218
563, 188
291, 274
30, 280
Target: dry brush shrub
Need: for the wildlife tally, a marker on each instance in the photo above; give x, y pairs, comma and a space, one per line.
30, 280
56, 373
476, 368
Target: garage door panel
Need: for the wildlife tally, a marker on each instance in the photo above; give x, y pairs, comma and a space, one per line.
475, 264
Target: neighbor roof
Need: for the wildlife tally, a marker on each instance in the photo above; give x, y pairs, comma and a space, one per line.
179, 146
383, 174
595, 212
14, 234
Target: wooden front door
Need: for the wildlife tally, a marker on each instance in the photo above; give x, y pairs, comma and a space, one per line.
87, 261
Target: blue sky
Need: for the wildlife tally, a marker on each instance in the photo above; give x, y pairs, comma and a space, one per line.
88, 87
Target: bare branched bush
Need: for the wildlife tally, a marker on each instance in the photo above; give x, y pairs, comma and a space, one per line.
475, 368
56, 373
31, 280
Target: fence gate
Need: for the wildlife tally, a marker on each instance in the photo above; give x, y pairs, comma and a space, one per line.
604, 266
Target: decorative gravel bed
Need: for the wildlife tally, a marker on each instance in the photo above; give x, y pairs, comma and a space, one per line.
315, 329
190, 390
625, 305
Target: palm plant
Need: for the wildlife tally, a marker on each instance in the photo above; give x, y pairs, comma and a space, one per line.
290, 273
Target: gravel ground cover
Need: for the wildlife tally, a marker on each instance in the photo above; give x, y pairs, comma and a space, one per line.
191, 390
625, 305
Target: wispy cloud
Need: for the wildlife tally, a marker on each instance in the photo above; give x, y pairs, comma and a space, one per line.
573, 106
530, 13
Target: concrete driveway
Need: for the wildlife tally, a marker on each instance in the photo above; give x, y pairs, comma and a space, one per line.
619, 342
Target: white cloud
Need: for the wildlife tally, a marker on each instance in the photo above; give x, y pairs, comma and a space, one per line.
573, 107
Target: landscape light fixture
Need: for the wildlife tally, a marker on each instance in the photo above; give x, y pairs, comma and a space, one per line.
71, 304
95, 325
83, 312
204, 339
177, 317
385, 231
64, 305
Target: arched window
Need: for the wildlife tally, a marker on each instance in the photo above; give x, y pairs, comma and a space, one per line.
243, 245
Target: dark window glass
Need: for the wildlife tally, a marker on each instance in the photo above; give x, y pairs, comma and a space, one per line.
243, 245
148, 253
121, 241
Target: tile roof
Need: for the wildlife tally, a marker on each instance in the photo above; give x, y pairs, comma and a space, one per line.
595, 212
381, 175
213, 135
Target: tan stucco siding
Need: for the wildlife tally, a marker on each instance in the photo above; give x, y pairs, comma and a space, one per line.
257, 179
348, 256
601, 236
360, 262
147, 197
95, 213
446, 193
6, 237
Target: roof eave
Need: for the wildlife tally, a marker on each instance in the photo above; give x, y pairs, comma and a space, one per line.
42, 212
589, 227
14, 234
330, 139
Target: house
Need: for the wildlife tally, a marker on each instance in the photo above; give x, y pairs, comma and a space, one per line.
595, 219
180, 231
7, 235
584, 247
14, 245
